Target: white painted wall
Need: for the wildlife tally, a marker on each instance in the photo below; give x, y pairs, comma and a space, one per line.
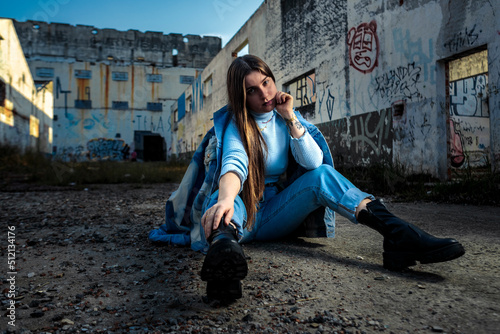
26, 116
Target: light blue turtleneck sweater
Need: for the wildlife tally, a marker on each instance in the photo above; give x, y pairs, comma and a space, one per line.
274, 130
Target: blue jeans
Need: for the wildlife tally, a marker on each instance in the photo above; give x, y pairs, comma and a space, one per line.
281, 212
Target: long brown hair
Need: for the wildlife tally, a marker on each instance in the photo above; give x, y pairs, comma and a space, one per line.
252, 139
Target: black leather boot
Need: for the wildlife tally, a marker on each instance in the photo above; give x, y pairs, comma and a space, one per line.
225, 264
404, 243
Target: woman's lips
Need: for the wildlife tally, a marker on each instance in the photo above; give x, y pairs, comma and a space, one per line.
268, 103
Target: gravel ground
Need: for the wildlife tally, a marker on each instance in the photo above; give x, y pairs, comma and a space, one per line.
84, 265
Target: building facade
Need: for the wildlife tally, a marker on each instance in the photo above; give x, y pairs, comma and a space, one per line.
25, 108
408, 82
113, 89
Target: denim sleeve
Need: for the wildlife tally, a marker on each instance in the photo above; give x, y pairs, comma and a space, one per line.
234, 157
306, 151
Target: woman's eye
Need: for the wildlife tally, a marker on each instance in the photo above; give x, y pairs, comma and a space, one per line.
250, 91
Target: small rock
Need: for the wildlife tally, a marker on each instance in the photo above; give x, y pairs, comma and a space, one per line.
67, 322
437, 329
247, 318
37, 314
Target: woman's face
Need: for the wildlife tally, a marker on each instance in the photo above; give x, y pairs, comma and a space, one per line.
261, 92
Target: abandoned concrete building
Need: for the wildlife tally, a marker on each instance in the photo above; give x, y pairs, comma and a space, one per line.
25, 108
409, 82
113, 89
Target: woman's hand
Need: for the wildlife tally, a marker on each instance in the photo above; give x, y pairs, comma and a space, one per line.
229, 186
213, 216
284, 104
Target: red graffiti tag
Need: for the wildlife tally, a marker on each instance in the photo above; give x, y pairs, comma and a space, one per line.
363, 47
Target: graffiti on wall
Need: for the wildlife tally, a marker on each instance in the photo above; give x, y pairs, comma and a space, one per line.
70, 153
400, 83
329, 103
107, 149
303, 90
363, 47
145, 123
463, 39
469, 122
416, 51
94, 122
360, 139
468, 97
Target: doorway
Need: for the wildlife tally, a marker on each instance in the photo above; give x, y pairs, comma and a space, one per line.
154, 148
469, 119
149, 146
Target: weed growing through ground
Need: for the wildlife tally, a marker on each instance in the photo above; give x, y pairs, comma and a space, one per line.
37, 168
471, 186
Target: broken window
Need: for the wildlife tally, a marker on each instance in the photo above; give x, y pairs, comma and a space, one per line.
241, 50
119, 105
303, 90
154, 106
189, 103
207, 86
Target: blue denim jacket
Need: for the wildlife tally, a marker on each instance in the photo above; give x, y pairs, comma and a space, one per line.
185, 207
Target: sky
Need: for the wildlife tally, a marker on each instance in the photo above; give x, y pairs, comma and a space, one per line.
221, 18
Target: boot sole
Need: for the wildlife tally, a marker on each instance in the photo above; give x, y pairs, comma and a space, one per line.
398, 261
223, 268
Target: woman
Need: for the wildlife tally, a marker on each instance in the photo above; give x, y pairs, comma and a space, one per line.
253, 202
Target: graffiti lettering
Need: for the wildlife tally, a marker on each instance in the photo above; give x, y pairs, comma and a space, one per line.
416, 52
363, 136
330, 102
148, 124
400, 83
363, 47
303, 90
468, 97
360, 139
463, 39
72, 154
107, 149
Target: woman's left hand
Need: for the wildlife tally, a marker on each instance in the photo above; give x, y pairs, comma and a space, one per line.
284, 104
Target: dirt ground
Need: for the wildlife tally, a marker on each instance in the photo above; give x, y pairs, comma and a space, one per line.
84, 265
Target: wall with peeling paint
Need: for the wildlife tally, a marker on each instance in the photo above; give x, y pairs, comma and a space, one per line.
374, 76
25, 109
113, 90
